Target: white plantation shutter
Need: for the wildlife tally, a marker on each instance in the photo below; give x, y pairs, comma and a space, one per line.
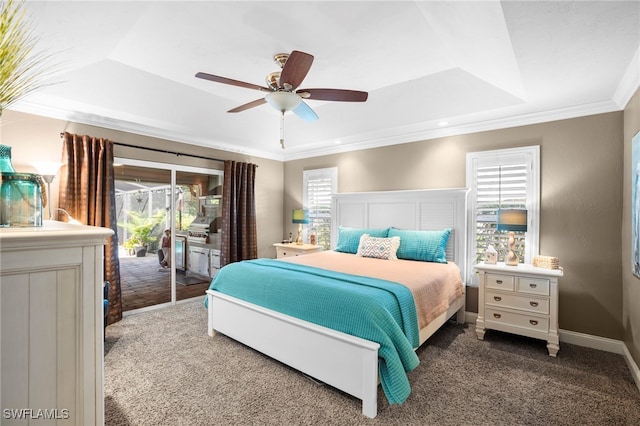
502, 179
318, 185
498, 187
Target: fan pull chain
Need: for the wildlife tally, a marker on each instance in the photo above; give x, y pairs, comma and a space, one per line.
282, 130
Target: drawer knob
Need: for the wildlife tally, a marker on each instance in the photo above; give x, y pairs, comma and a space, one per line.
532, 285
498, 281
534, 304
497, 298
533, 322
497, 315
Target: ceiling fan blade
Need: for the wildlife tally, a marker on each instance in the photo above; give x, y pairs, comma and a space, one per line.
246, 106
295, 69
339, 95
232, 82
305, 112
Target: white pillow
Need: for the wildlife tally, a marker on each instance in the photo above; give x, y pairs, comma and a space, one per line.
379, 248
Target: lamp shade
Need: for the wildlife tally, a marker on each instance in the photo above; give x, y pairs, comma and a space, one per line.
300, 216
512, 220
48, 169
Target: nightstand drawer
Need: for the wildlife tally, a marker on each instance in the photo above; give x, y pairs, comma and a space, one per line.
290, 250
510, 319
532, 285
287, 253
502, 282
513, 301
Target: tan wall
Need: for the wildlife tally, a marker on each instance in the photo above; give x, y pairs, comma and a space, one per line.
35, 138
630, 283
581, 191
581, 195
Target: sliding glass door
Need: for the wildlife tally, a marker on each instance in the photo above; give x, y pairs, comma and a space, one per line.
158, 207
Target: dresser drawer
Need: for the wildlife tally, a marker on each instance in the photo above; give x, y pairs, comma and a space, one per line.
532, 285
502, 282
510, 319
515, 301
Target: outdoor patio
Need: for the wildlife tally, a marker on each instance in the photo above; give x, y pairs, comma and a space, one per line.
145, 283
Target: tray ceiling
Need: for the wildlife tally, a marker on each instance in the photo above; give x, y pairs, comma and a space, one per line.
476, 65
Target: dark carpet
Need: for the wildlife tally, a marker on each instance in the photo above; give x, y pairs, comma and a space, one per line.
161, 368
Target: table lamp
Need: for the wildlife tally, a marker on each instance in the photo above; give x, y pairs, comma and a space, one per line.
300, 216
48, 170
512, 220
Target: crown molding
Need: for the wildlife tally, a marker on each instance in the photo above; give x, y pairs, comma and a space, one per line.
629, 83
410, 134
135, 128
392, 136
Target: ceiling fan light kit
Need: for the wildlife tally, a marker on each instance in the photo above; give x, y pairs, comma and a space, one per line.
282, 88
283, 101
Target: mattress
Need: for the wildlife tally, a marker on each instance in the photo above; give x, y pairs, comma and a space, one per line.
435, 286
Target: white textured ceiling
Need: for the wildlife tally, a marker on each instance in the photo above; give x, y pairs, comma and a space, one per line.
477, 65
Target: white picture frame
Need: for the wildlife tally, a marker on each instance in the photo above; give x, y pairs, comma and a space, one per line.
635, 205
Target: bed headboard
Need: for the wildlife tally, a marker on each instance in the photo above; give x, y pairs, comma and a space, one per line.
428, 209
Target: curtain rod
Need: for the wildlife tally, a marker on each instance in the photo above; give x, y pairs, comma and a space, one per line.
163, 151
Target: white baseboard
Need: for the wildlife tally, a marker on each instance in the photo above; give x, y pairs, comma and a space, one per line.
470, 317
589, 341
633, 367
593, 342
603, 344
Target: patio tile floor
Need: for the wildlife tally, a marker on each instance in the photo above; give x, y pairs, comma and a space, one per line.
145, 283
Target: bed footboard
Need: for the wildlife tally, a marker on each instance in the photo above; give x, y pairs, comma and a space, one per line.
343, 361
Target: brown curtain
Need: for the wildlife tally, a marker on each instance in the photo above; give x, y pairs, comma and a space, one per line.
239, 237
87, 192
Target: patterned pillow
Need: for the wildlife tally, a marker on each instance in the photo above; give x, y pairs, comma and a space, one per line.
427, 246
380, 248
349, 238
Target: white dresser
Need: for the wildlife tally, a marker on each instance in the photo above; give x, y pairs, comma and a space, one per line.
519, 299
51, 324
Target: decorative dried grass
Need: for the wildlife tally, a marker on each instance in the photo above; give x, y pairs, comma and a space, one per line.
21, 70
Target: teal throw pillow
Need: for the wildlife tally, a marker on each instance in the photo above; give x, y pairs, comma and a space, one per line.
427, 246
349, 238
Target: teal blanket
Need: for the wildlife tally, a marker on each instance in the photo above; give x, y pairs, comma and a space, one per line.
377, 310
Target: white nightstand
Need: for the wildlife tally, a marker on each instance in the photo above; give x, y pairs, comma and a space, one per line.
293, 249
519, 299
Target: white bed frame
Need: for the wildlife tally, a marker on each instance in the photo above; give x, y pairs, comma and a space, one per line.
341, 360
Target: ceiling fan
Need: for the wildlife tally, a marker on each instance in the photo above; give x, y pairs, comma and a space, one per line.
282, 89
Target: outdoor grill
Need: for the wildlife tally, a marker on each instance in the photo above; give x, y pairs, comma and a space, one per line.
199, 229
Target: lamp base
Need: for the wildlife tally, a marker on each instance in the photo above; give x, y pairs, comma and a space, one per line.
512, 258
299, 238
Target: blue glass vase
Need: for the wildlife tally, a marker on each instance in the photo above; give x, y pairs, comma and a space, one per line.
5, 159
20, 194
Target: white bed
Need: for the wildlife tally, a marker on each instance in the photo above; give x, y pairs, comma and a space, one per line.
343, 361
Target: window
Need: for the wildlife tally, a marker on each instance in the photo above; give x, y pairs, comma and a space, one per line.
507, 178
317, 187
